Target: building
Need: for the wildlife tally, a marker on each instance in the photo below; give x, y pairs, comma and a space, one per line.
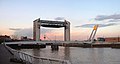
5, 38
112, 39
101, 39
25, 38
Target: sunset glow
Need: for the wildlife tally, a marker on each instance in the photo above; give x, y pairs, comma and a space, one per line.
81, 14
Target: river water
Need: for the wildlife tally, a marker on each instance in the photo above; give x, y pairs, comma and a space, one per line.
77, 55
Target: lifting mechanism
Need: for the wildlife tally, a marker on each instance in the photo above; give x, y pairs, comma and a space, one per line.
92, 35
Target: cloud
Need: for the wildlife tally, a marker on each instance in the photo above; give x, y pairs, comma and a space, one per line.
14, 29
29, 32
116, 20
105, 25
24, 32
105, 17
59, 18
86, 25
100, 25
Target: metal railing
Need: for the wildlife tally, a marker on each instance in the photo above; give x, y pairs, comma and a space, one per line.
29, 59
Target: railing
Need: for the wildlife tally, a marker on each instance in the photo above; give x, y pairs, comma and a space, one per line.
29, 59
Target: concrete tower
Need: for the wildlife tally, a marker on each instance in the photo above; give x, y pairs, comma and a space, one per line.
67, 31
36, 29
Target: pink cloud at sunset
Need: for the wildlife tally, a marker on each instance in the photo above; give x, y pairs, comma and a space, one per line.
5, 31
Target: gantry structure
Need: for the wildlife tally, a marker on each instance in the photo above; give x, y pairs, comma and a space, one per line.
53, 24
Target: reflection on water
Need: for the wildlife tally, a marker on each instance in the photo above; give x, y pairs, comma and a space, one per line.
67, 53
78, 55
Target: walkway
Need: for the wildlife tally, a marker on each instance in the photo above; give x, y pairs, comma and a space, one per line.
5, 55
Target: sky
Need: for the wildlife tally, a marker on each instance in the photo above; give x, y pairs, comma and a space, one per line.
17, 16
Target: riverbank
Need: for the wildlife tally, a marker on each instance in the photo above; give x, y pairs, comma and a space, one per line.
93, 45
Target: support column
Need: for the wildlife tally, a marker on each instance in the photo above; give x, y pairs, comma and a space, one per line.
67, 31
36, 30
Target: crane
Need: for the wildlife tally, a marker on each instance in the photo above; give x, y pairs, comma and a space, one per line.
92, 35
